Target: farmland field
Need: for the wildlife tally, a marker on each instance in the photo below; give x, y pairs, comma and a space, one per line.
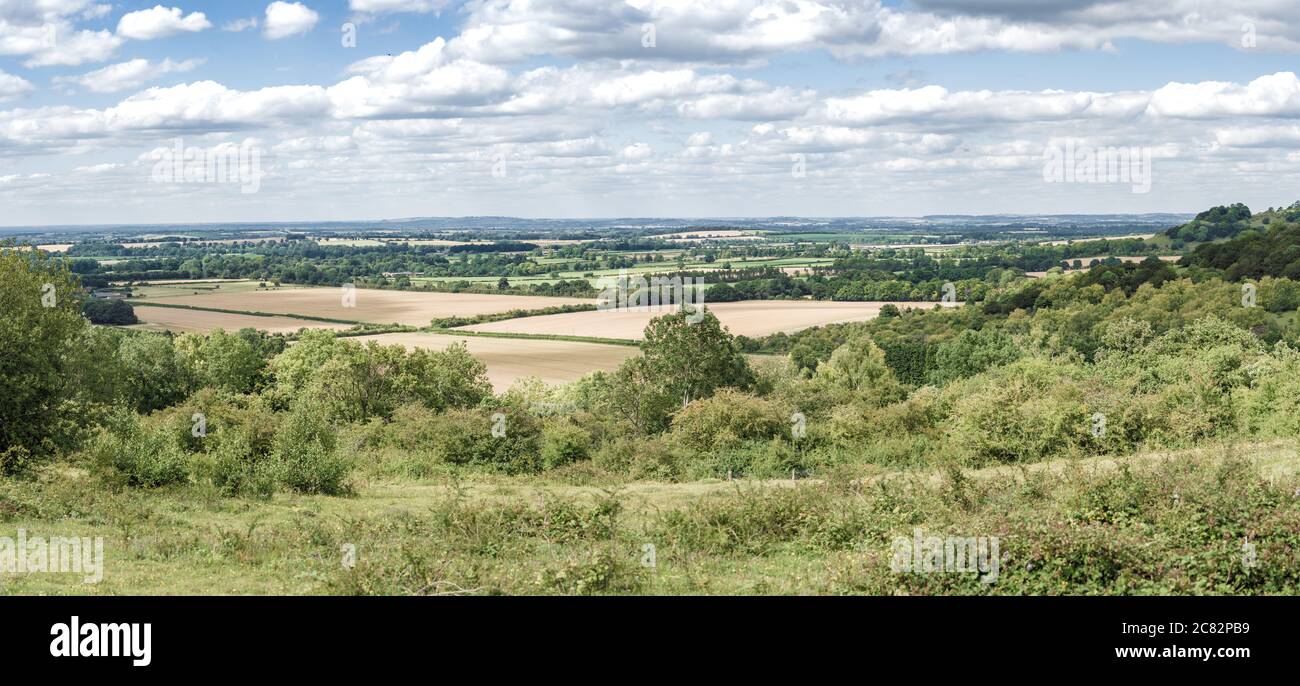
749, 318
594, 276
511, 359
724, 234
374, 306
1085, 261
184, 321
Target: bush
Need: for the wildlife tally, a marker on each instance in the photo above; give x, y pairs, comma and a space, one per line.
109, 311
728, 419
129, 454
564, 443
466, 437
970, 353
858, 370
305, 455
1030, 410
640, 458
236, 468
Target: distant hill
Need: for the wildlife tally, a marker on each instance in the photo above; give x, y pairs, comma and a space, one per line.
1216, 223
1264, 244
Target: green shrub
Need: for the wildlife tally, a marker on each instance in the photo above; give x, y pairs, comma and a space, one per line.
564, 443
305, 456
129, 454
467, 437
640, 458
236, 468
728, 419
1027, 411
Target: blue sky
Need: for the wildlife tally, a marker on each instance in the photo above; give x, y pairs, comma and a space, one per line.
565, 108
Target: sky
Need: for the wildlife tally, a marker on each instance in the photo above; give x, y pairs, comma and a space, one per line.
146, 113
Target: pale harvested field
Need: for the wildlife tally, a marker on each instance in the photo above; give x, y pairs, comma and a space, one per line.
511, 359
749, 318
194, 241
433, 241
185, 321
1068, 241
726, 234
1122, 258
1086, 260
373, 306
351, 242
543, 242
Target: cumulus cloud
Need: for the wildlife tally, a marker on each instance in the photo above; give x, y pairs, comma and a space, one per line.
386, 6
1276, 95
593, 111
936, 103
1278, 136
237, 25
55, 43
160, 22
127, 75
13, 86
739, 30
284, 19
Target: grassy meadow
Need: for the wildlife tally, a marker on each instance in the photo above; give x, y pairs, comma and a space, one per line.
1166, 523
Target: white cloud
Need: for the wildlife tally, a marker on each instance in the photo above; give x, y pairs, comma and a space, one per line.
742, 30
1275, 95
238, 25
127, 75
212, 104
780, 103
936, 103
160, 22
422, 80
98, 168
385, 6
284, 19
13, 86
603, 123
56, 43
1287, 136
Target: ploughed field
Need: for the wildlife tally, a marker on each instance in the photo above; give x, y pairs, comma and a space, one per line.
748, 318
372, 306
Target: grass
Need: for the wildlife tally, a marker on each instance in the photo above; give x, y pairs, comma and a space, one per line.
1151, 523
